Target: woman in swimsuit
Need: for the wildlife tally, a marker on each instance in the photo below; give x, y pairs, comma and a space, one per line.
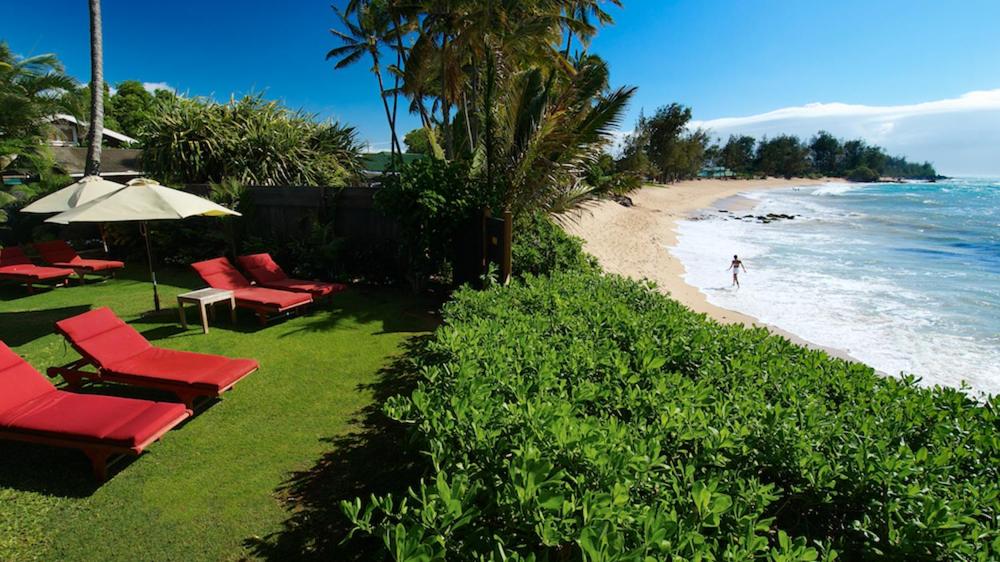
735, 266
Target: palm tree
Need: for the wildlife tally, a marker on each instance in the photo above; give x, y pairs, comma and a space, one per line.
366, 35
96, 134
548, 133
578, 14
30, 91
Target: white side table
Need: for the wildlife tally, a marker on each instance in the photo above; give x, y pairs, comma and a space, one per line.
205, 298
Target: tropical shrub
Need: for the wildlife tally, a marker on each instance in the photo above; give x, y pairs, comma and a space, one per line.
251, 140
435, 203
31, 89
541, 247
587, 417
862, 174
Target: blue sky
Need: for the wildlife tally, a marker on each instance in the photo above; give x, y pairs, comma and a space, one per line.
726, 59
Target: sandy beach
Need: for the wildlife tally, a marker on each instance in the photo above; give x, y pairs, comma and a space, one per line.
634, 241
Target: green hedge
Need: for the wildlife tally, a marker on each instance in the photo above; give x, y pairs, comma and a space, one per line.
587, 417
541, 247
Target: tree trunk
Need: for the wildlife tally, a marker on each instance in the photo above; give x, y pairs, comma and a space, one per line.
445, 106
96, 134
400, 65
388, 114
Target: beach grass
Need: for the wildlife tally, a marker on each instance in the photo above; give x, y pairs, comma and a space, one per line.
212, 488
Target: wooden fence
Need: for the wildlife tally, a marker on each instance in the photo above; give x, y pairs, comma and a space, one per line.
288, 212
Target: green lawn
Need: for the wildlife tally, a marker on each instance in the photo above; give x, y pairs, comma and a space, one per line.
217, 487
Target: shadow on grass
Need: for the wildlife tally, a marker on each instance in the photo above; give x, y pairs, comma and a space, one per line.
66, 472
49, 471
19, 328
375, 459
364, 304
397, 312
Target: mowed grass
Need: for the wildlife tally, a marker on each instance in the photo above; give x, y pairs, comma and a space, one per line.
212, 487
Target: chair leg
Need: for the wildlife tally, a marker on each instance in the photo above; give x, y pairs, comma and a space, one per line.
187, 398
262, 318
99, 462
31, 289
73, 381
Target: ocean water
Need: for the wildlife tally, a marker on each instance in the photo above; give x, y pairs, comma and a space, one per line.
904, 277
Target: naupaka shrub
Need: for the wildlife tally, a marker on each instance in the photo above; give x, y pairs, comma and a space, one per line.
587, 417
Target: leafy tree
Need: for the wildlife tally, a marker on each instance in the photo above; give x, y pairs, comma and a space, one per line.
738, 154
854, 155
825, 152
898, 167
665, 129
784, 155
130, 107
419, 141
663, 147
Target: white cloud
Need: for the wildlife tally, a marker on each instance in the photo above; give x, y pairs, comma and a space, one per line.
151, 87
961, 136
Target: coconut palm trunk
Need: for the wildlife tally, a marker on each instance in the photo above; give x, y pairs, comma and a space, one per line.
96, 133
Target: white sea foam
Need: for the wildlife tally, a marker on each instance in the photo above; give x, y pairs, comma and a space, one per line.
822, 277
836, 188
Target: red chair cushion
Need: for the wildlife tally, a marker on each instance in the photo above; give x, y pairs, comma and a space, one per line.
213, 372
61, 254
34, 272
56, 251
13, 255
271, 298
91, 265
220, 274
102, 337
315, 288
19, 381
122, 421
261, 268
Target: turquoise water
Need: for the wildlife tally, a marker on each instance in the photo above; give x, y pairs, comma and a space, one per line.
905, 277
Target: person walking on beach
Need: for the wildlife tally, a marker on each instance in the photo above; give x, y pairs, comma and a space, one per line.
735, 266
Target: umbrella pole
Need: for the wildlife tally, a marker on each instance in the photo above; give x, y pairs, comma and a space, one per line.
144, 229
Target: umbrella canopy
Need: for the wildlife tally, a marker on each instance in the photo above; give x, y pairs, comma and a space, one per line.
80, 193
143, 200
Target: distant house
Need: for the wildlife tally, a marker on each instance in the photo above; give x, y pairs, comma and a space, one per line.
65, 141
715, 172
69, 131
376, 163
120, 164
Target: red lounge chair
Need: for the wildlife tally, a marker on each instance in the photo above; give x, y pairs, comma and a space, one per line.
33, 410
266, 273
16, 266
120, 354
221, 274
60, 254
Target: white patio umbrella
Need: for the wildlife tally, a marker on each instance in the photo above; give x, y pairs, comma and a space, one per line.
143, 200
74, 195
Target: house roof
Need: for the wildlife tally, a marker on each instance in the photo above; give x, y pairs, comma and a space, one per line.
114, 161
377, 162
107, 132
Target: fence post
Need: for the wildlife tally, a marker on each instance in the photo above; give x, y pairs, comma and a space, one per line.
508, 237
